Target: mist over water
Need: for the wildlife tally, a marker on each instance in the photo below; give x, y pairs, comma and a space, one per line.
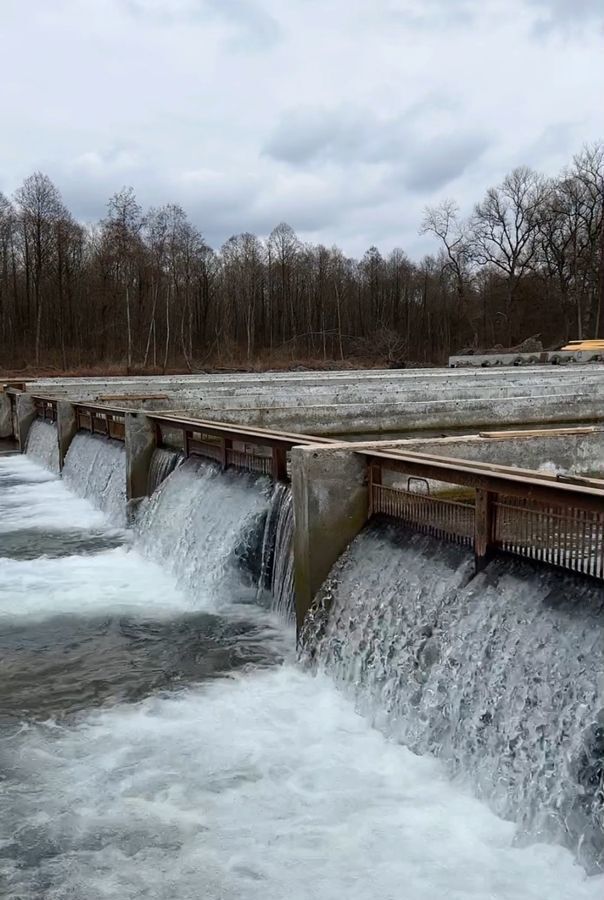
159, 740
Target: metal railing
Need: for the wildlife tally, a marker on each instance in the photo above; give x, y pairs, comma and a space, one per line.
448, 519
252, 449
571, 538
555, 521
96, 420
46, 409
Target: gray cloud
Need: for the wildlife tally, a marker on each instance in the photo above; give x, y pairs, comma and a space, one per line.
428, 13
350, 134
442, 160
421, 159
309, 134
344, 118
567, 14
252, 26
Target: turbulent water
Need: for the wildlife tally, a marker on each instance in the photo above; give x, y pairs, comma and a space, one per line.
95, 468
43, 444
163, 462
277, 575
158, 738
208, 527
501, 675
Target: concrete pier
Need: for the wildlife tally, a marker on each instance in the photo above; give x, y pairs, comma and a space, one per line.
66, 428
140, 441
331, 503
6, 416
25, 414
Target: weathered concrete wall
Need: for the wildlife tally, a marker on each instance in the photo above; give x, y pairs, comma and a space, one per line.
574, 452
363, 401
67, 427
331, 503
140, 442
6, 416
26, 413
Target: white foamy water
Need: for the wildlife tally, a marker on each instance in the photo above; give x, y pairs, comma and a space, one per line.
259, 787
262, 785
205, 526
114, 581
32, 497
95, 468
43, 444
502, 675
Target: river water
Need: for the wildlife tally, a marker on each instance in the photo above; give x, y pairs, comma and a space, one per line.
159, 739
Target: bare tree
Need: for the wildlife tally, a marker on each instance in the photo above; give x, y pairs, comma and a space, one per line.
147, 289
504, 230
40, 208
120, 232
444, 222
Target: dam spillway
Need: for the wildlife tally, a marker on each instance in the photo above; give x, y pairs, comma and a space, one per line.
427, 737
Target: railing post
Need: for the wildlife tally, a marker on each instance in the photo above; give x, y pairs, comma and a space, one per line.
483, 528
185, 442
225, 446
279, 464
375, 478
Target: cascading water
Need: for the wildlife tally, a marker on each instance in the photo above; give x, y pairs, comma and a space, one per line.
163, 462
95, 468
501, 675
158, 739
277, 575
210, 528
43, 444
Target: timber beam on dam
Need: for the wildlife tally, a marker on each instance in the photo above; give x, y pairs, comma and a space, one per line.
337, 487
252, 449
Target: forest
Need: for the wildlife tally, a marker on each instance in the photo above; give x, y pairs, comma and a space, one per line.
142, 290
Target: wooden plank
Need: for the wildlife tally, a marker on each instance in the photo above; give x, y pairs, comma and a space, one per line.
538, 432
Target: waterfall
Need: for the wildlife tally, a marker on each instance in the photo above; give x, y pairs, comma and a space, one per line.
43, 444
162, 463
194, 512
95, 468
277, 576
157, 733
206, 526
501, 675
198, 510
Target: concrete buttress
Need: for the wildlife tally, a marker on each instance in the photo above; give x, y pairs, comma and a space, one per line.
26, 413
67, 427
140, 441
331, 502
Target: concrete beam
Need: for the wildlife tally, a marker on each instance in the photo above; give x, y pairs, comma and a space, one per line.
26, 413
140, 441
331, 503
67, 427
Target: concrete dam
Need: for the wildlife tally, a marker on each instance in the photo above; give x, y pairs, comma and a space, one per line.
319, 655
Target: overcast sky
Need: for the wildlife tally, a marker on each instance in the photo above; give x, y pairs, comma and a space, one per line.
343, 118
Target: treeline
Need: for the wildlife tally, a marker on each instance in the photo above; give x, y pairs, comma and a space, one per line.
145, 290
